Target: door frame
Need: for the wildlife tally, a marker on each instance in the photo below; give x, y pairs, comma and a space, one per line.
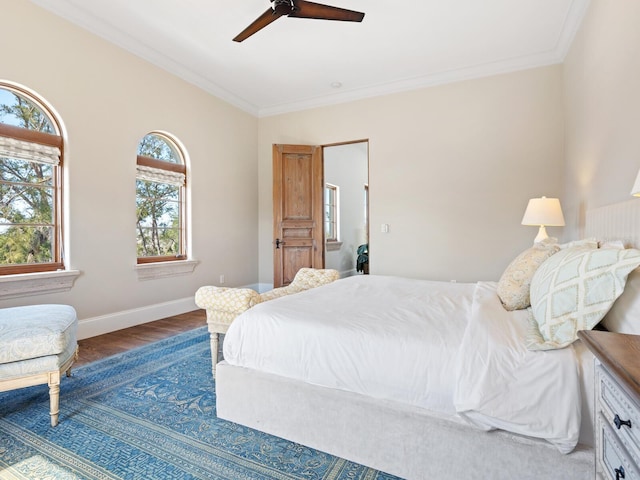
318, 200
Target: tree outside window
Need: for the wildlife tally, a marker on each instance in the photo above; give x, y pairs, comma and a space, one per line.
160, 183
30, 184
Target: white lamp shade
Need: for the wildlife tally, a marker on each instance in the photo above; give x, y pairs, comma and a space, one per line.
543, 211
635, 191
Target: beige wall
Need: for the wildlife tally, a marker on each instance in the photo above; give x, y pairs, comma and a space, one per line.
451, 167
602, 91
108, 100
451, 170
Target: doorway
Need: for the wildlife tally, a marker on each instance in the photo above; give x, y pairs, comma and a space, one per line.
311, 226
346, 207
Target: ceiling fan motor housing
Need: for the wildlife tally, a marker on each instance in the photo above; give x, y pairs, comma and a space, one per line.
282, 7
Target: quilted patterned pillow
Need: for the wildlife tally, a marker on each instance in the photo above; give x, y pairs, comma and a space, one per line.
224, 299
307, 278
573, 290
513, 287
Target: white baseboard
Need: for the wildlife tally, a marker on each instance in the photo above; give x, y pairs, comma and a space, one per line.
262, 287
91, 327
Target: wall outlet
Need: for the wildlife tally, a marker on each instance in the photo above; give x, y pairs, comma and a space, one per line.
222, 279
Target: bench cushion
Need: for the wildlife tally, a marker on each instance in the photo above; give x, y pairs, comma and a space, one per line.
36, 331
34, 366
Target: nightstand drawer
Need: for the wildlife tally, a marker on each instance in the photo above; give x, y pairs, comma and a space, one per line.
621, 413
617, 389
614, 458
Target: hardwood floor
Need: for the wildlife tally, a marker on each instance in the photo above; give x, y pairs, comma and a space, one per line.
95, 348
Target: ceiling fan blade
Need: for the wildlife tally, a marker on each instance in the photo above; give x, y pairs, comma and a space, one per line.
259, 23
304, 9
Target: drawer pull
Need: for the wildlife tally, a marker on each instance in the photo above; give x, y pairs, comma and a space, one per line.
619, 472
619, 424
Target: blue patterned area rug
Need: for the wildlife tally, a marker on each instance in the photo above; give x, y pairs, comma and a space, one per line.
149, 414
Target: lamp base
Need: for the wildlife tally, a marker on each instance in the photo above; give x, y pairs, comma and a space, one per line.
542, 235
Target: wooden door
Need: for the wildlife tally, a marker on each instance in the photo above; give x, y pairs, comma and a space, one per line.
298, 235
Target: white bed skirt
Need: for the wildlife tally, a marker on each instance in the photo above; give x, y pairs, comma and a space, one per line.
402, 440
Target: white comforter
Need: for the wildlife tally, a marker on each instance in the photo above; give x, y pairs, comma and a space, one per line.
501, 384
441, 346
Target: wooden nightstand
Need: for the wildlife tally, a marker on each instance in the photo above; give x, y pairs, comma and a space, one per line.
617, 407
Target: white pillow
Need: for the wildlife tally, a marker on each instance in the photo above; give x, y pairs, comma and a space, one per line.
513, 287
611, 244
572, 290
624, 316
584, 243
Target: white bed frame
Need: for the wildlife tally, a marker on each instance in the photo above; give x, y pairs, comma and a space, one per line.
406, 441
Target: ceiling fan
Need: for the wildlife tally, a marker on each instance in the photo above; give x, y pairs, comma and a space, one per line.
299, 9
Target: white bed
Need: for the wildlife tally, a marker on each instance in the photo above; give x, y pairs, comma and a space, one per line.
407, 376
417, 325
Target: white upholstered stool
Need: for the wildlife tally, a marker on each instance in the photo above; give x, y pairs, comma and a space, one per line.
37, 344
223, 305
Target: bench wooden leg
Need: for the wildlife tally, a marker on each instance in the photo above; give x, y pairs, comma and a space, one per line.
54, 387
54, 396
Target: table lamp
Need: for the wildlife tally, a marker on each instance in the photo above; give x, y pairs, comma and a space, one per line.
542, 212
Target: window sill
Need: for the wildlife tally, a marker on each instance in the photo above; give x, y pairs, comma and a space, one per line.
333, 246
151, 271
40, 283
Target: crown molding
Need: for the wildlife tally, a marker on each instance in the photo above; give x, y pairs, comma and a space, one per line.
79, 16
115, 36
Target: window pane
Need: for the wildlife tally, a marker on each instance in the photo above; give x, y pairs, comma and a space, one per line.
14, 170
158, 242
155, 146
26, 204
18, 111
26, 192
158, 213
154, 213
154, 190
26, 245
330, 212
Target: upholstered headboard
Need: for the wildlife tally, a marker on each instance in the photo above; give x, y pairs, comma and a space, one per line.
619, 221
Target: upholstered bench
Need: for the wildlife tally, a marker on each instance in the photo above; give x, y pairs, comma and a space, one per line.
224, 304
37, 344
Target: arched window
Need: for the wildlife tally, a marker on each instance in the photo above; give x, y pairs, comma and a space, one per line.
160, 199
31, 159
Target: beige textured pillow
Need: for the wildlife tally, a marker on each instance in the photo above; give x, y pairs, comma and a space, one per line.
513, 287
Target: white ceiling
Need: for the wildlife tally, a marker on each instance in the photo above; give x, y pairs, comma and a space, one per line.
292, 63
